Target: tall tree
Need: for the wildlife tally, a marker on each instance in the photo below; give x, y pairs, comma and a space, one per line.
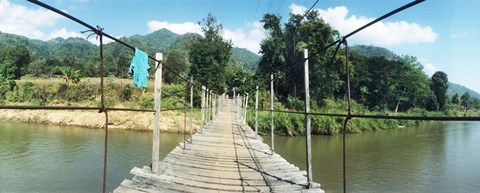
439, 87
178, 62
272, 50
209, 56
283, 55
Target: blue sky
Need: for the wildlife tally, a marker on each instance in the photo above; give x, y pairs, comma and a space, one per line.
442, 34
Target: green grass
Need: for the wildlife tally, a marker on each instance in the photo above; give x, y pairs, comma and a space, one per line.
294, 124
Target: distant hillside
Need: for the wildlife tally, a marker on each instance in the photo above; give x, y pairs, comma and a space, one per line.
373, 51
456, 88
164, 40
245, 58
50, 57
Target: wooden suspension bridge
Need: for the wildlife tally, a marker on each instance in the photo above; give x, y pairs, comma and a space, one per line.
227, 156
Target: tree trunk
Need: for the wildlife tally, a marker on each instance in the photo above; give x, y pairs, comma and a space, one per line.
396, 107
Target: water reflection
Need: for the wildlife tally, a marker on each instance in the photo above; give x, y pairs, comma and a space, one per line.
435, 157
41, 158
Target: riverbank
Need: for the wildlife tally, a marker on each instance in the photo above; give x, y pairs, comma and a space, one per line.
171, 121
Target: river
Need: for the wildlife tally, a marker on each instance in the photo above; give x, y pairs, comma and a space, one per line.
439, 157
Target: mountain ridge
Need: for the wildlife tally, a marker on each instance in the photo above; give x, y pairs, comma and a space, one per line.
162, 40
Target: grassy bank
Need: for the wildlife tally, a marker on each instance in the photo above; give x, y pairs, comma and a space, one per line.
294, 124
119, 93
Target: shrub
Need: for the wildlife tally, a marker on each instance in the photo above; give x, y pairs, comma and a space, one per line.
295, 103
43, 94
126, 93
147, 102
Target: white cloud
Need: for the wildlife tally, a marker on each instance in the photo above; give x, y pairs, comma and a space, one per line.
429, 69
248, 37
63, 33
297, 9
178, 28
460, 34
20, 20
382, 33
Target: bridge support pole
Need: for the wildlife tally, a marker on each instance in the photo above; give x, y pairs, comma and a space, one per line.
234, 100
156, 124
207, 120
271, 110
191, 108
256, 113
210, 113
214, 106
307, 121
202, 106
246, 109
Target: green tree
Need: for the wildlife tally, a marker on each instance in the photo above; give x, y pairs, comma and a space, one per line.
467, 101
456, 99
272, 49
439, 87
209, 56
178, 62
37, 67
6, 85
396, 85
283, 56
71, 75
311, 32
14, 61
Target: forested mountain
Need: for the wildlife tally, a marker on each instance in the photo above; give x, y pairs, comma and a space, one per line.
456, 88
373, 51
49, 57
245, 58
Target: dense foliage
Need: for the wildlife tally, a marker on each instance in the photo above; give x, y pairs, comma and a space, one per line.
209, 56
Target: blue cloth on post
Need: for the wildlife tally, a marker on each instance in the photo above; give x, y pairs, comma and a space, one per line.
139, 68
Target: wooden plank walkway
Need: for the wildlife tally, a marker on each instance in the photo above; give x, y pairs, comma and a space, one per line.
226, 157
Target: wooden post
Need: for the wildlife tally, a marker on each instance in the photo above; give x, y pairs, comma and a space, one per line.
246, 109
206, 107
239, 104
191, 108
234, 99
307, 121
214, 105
209, 109
210, 95
156, 123
271, 110
256, 113
202, 106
